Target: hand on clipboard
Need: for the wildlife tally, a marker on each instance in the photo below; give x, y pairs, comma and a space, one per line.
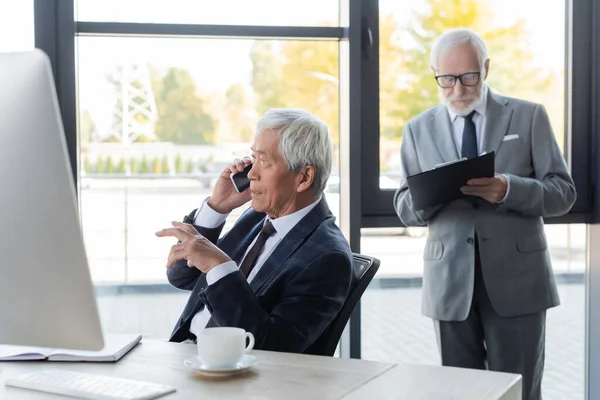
454, 161
443, 183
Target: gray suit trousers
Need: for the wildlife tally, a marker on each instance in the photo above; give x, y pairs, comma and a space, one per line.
485, 340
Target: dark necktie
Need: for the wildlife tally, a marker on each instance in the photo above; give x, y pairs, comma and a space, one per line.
254, 252
250, 259
469, 139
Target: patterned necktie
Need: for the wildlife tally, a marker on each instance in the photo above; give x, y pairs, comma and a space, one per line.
469, 139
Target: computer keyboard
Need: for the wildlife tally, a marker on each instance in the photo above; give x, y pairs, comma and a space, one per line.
88, 386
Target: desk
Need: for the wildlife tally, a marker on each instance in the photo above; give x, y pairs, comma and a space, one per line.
283, 376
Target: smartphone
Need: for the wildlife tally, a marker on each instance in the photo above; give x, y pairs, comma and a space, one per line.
240, 179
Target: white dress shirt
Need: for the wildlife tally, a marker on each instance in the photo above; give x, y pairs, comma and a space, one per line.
206, 217
458, 124
479, 119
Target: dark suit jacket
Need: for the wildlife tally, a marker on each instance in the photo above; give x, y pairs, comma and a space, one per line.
293, 298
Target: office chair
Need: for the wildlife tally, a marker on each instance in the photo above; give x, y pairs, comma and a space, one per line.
365, 268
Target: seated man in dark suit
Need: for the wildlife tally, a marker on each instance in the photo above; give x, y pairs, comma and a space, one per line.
284, 270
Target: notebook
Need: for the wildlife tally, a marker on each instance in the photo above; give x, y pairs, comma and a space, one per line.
115, 347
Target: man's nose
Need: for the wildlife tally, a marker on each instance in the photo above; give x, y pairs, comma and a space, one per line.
459, 88
252, 172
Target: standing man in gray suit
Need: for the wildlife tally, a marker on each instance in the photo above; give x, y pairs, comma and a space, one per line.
487, 279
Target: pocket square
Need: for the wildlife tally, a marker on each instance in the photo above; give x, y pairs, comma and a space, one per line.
510, 137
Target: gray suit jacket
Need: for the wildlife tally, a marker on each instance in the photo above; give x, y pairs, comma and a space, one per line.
512, 244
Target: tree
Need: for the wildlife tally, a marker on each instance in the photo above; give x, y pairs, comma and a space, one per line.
512, 74
88, 131
156, 166
305, 74
311, 80
182, 114
164, 166
144, 167
240, 117
121, 168
87, 165
178, 164
110, 167
190, 166
297, 74
267, 76
134, 166
100, 165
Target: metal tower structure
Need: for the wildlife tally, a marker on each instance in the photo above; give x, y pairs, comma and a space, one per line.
134, 112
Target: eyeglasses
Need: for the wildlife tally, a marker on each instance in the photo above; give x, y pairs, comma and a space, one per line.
466, 79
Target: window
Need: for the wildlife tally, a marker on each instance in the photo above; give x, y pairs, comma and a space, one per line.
156, 130
223, 12
528, 60
524, 47
393, 328
16, 25
525, 63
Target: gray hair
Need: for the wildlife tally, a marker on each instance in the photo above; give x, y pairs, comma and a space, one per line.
303, 140
454, 37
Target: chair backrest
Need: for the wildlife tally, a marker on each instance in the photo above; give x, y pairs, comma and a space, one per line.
365, 268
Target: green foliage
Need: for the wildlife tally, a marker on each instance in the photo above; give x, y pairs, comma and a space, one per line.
304, 74
190, 166
182, 114
156, 166
144, 167
88, 130
121, 168
511, 74
100, 165
143, 139
267, 76
164, 166
239, 118
87, 165
110, 167
178, 164
134, 166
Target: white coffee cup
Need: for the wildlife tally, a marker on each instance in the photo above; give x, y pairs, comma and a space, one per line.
223, 347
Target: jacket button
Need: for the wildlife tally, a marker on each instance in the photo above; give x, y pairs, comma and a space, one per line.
470, 240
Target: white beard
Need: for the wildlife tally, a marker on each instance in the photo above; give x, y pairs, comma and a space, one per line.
467, 110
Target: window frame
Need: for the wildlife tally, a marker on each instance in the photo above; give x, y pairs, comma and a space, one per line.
56, 31
580, 99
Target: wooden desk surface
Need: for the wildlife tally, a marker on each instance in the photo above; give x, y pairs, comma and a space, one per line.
276, 376
425, 382
284, 376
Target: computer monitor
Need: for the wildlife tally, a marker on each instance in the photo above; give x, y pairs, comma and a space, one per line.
46, 293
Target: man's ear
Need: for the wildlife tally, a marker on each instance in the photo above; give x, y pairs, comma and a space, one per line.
486, 68
306, 178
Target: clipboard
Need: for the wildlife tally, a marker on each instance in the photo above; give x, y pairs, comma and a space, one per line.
442, 184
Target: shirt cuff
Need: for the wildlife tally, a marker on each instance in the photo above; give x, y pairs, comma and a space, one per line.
507, 189
206, 217
220, 271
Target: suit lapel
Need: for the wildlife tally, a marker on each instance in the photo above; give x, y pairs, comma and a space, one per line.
497, 119
236, 241
440, 128
290, 243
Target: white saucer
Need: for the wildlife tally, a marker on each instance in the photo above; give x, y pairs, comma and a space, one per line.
247, 361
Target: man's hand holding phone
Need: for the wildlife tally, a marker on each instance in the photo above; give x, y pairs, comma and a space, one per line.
225, 197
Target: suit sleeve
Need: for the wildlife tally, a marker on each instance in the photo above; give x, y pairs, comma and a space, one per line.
310, 302
551, 192
409, 165
183, 277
